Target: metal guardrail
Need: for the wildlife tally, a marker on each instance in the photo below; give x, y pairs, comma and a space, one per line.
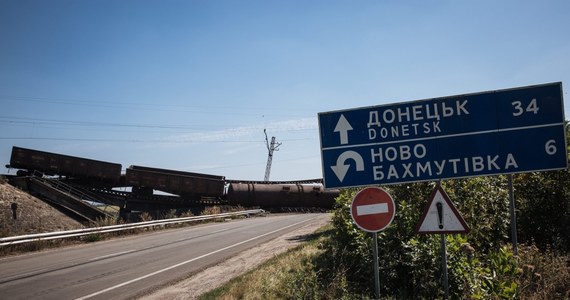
13, 240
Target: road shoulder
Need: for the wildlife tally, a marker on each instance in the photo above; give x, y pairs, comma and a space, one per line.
221, 273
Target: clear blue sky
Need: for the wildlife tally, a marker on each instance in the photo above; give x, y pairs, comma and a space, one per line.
190, 85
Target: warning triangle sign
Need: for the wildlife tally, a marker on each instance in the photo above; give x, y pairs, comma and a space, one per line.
441, 216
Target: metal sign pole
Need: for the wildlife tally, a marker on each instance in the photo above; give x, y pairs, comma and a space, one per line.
513, 215
376, 268
372, 210
444, 266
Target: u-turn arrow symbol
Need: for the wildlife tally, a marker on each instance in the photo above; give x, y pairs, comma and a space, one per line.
340, 168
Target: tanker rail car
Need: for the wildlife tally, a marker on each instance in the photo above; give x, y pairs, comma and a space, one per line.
280, 195
186, 189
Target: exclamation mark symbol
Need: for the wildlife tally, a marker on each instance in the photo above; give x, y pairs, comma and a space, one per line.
440, 214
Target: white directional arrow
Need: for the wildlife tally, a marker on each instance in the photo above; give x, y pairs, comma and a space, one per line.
340, 169
343, 127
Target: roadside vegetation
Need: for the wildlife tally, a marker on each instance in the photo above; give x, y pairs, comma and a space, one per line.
337, 263
481, 264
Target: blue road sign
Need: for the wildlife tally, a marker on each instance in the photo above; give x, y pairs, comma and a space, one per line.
497, 132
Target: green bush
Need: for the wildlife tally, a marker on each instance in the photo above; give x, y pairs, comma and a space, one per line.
543, 204
480, 265
94, 237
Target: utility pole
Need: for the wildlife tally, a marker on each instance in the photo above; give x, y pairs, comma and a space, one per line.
273, 146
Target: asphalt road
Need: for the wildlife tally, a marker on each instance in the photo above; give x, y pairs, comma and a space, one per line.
125, 267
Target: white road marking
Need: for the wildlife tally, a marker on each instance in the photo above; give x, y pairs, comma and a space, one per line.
185, 262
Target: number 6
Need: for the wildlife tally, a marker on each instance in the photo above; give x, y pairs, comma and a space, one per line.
550, 148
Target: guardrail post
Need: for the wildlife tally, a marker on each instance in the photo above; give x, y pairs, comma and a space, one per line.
14, 208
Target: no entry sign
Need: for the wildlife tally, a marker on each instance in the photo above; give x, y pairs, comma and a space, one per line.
372, 209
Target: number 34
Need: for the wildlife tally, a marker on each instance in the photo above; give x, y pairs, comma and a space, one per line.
532, 107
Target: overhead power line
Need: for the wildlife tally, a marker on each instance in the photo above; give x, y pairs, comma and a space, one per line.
161, 105
153, 141
39, 121
51, 123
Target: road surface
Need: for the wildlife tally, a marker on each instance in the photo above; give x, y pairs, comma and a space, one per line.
126, 267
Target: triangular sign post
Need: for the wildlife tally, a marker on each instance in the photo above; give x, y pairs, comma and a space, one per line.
441, 216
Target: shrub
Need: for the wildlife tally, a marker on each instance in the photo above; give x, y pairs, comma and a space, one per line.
543, 202
101, 222
186, 214
480, 266
145, 216
94, 237
170, 214
211, 210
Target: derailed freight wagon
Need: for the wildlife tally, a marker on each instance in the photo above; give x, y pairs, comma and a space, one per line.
50, 163
186, 184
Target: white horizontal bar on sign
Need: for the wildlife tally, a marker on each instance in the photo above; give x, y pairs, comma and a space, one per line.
444, 136
371, 209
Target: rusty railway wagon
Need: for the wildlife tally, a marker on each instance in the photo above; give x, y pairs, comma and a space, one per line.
280, 195
50, 163
187, 184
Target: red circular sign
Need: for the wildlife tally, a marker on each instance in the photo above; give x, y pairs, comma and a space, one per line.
372, 209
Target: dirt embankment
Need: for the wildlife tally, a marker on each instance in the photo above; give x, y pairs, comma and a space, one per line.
32, 214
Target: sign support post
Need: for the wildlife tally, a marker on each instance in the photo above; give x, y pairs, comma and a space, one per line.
444, 266
376, 267
372, 210
513, 215
440, 217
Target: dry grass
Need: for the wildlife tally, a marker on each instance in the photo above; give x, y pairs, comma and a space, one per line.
544, 275
211, 210
286, 276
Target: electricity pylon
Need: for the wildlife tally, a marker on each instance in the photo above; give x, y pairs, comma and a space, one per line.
273, 146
